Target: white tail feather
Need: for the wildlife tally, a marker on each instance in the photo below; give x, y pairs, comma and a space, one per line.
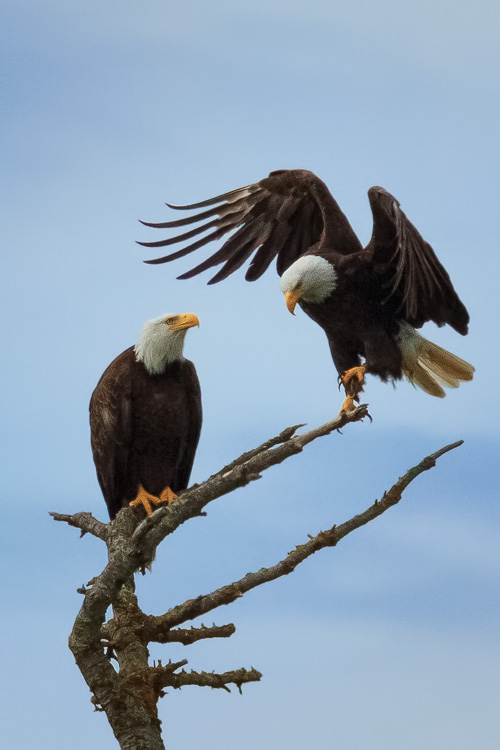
430, 366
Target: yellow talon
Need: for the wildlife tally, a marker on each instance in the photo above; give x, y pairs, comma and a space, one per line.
167, 496
352, 380
347, 406
147, 500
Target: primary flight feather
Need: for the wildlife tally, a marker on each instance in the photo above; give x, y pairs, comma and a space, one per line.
368, 300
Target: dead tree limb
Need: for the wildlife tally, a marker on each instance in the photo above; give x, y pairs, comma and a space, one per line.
163, 634
130, 693
85, 522
209, 679
229, 593
240, 472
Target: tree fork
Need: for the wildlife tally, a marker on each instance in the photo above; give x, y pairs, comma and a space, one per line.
130, 693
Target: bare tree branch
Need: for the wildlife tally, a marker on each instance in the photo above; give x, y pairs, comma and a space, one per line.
208, 679
227, 594
129, 696
284, 435
186, 636
165, 669
165, 520
85, 522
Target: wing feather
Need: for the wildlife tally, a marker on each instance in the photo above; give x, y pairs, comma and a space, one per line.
230, 208
418, 284
233, 245
235, 261
193, 426
185, 250
266, 253
232, 195
110, 429
281, 216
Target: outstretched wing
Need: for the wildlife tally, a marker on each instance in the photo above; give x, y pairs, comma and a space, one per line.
110, 430
281, 216
412, 275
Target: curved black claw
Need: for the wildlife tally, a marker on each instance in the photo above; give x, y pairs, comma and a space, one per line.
367, 413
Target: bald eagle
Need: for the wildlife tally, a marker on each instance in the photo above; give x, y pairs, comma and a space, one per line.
145, 418
368, 300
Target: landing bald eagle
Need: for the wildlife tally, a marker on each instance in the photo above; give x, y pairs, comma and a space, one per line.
145, 418
367, 300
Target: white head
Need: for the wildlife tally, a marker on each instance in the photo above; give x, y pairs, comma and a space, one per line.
311, 278
161, 340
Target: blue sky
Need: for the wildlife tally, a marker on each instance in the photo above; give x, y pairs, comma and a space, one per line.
110, 109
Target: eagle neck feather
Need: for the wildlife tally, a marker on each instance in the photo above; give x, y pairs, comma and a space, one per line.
158, 347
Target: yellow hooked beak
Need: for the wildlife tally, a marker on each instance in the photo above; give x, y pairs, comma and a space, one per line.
291, 300
186, 320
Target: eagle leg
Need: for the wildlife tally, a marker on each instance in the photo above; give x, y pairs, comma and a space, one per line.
352, 380
146, 499
349, 377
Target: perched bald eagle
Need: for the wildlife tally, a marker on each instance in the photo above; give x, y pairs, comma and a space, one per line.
145, 418
367, 300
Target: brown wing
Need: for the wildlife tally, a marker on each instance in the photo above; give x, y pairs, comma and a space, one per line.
110, 429
414, 278
281, 216
193, 424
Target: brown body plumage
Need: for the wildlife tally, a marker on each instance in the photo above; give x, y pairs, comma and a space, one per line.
144, 428
375, 296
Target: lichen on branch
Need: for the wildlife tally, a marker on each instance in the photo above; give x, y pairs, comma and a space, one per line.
129, 693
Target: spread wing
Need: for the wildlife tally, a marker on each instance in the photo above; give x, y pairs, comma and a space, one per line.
110, 430
412, 275
281, 216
